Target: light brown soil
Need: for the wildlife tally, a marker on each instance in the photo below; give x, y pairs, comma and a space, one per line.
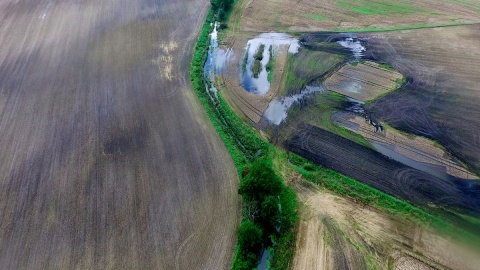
365, 81
414, 147
107, 159
368, 238
327, 15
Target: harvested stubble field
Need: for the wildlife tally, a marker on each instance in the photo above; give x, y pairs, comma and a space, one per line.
440, 99
108, 161
386, 175
363, 81
356, 15
338, 233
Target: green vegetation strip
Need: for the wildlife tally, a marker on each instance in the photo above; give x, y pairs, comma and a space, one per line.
250, 156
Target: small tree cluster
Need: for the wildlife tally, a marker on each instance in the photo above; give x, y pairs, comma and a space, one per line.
220, 8
269, 209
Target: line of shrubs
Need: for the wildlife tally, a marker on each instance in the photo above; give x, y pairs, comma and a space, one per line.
276, 206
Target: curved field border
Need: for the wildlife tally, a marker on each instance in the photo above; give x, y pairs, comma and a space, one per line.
243, 144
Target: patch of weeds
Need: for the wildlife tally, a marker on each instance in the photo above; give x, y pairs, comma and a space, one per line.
386, 66
316, 17
245, 60
256, 68
269, 66
257, 64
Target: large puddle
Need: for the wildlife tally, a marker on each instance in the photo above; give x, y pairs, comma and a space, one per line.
261, 85
276, 111
389, 151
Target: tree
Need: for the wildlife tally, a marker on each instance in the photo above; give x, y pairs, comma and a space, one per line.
270, 215
249, 237
260, 182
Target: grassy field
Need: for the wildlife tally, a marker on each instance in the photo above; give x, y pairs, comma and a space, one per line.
108, 160
305, 67
356, 15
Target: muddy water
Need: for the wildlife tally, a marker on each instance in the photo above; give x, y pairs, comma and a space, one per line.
261, 85
107, 161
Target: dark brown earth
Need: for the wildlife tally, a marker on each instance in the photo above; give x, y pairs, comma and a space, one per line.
386, 175
440, 100
107, 160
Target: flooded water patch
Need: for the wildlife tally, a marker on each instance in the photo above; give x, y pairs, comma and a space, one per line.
354, 45
389, 151
276, 111
259, 84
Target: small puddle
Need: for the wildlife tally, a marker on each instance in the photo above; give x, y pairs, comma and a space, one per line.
262, 265
356, 105
276, 111
354, 45
261, 85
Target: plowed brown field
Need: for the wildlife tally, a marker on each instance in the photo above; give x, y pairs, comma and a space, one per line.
441, 97
106, 159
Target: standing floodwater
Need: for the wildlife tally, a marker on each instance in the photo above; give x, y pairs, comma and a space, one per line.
276, 111
259, 83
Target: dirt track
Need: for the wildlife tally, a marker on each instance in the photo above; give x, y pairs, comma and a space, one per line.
107, 160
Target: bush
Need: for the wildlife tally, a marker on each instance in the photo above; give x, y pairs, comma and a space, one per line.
256, 68
249, 237
260, 182
259, 54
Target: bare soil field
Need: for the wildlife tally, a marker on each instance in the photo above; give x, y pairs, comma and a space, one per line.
363, 81
343, 15
441, 97
338, 233
386, 175
107, 159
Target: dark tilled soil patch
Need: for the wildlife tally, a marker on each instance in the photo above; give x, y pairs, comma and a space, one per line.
382, 173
